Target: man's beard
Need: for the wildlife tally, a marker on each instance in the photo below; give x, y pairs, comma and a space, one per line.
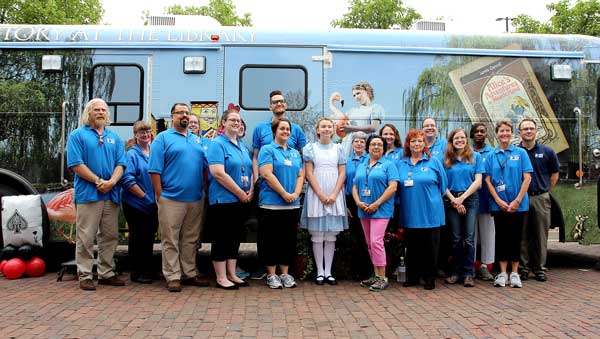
183, 123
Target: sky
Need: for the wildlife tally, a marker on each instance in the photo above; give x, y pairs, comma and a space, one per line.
461, 15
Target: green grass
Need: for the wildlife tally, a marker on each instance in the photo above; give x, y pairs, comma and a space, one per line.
575, 202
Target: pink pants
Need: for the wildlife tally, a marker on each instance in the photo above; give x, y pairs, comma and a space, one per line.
374, 230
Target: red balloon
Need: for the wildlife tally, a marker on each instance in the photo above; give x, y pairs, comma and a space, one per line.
35, 267
2, 263
14, 268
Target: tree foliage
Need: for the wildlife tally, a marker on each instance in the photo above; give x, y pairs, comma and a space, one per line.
221, 10
582, 18
51, 12
377, 14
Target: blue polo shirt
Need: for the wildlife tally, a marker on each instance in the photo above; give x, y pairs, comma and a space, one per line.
83, 148
287, 175
351, 164
484, 194
507, 168
263, 135
136, 173
237, 164
545, 163
376, 179
462, 174
421, 205
179, 159
395, 156
438, 148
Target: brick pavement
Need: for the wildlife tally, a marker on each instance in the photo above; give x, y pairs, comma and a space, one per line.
568, 305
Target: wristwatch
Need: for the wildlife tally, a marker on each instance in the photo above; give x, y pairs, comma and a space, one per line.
98, 181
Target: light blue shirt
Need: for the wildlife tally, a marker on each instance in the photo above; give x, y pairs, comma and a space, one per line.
286, 167
136, 173
263, 135
371, 182
351, 164
421, 188
83, 147
395, 156
438, 148
507, 168
237, 164
462, 174
484, 194
179, 160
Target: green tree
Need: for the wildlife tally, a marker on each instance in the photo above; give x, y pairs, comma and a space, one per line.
221, 10
377, 14
582, 18
51, 12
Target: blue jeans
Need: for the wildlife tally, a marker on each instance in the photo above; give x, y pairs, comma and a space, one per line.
463, 235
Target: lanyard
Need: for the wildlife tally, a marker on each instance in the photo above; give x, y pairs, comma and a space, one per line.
502, 165
368, 171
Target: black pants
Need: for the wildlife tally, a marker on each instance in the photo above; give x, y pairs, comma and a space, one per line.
509, 232
360, 261
228, 232
142, 232
422, 246
277, 230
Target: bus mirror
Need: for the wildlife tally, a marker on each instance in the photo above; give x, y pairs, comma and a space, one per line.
52, 63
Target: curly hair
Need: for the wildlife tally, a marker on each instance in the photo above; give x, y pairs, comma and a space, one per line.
415, 133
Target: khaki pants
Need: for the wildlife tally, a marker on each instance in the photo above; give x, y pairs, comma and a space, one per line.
534, 244
179, 224
97, 218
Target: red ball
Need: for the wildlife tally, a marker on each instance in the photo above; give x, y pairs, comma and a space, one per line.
14, 268
2, 263
35, 267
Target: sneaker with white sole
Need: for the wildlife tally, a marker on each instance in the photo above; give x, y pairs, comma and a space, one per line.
515, 280
274, 282
287, 281
379, 285
484, 273
367, 283
500, 280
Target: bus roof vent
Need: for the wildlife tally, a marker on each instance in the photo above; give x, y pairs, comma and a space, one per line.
429, 25
183, 21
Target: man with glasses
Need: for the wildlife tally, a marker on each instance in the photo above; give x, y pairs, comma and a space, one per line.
176, 167
97, 156
545, 176
263, 135
437, 146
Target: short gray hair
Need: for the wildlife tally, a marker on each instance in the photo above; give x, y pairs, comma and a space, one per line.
359, 135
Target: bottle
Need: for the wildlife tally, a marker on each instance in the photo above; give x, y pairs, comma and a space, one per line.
401, 276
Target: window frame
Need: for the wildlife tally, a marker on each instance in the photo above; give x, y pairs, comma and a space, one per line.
115, 104
267, 66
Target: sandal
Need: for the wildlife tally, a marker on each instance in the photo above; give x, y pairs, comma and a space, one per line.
319, 280
331, 280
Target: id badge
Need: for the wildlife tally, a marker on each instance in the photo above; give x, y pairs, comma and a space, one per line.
245, 180
287, 162
501, 187
408, 183
366, 192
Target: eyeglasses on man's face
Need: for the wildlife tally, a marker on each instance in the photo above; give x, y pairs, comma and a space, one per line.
182, 112
277, 102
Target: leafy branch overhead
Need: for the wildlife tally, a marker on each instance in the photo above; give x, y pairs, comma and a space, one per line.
377, 14
221, 10
50, 12
582, 18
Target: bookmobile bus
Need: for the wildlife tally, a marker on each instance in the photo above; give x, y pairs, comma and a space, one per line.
48, 73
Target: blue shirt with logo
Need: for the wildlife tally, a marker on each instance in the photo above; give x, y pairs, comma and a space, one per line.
438, 148
507, 168
371, 182
237, 164
421, 188
179, 159
395, 156
351, 164
286, 167
484, 194
83, 147
545, 163
263, 135
462, 174
136, 173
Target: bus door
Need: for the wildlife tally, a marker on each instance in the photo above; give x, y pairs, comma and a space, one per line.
122, 81
251, 73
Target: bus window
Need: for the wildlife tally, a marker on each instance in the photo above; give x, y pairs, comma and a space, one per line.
116, 85
257, 81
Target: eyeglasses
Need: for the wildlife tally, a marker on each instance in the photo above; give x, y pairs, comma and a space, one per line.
144, 131
235, 121
182, 112
376, 145
528, 129
276, 102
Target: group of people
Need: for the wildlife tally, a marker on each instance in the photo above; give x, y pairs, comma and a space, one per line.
441, 192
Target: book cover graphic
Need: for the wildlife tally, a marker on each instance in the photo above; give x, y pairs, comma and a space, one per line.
207, 116
493, 89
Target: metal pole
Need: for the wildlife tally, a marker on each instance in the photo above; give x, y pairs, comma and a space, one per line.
62, 145
577, 111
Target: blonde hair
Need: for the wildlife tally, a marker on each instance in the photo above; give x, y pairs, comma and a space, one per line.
366, 87
319, 122
85, 116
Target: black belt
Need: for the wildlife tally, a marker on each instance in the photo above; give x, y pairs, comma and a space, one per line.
534, 193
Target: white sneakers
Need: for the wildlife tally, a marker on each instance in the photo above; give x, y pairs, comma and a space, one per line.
515, 280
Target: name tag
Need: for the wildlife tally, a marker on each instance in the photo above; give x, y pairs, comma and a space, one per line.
514, 157
501, 188
539, 155
245, 180
287, 162
408, 183
366, 192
